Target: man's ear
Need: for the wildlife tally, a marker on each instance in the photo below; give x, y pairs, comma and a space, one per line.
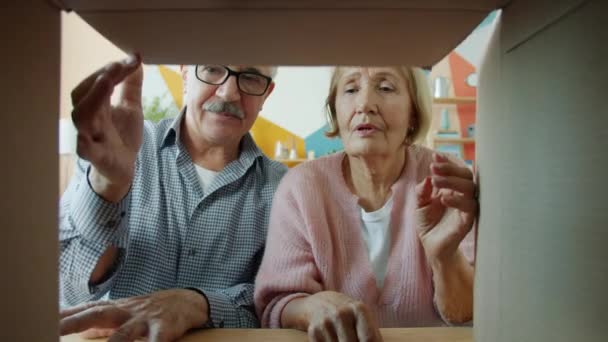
269, 91
184, 71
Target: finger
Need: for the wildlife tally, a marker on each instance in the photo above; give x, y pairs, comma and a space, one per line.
158, 333
97, 333
85, 86
79, 308
440, 158
89, 150
130, 92
329, 331
345, 327
424, 192
84, 114
315, 334
103, 86
451, 169
95, 317
464, 186
364, 327
129, 331
460, 202
112, 69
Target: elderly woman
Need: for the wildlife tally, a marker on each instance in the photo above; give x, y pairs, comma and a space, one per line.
371, 237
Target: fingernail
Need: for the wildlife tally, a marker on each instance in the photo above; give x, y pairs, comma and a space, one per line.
132, 60
435, 169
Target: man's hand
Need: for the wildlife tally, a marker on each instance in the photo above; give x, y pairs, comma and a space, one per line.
161, 316
109, 136
331, 316
446, 209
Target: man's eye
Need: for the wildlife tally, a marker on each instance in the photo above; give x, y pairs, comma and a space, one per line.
386, 89
252, 78
211, 70
350, 90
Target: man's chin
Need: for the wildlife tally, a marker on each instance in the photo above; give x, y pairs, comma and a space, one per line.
221, 136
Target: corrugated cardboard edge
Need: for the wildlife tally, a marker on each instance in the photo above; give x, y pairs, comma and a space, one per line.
163, 5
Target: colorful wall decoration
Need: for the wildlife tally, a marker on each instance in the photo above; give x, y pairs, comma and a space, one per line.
461, 67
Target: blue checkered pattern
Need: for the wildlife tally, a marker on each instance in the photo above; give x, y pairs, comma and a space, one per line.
169, 233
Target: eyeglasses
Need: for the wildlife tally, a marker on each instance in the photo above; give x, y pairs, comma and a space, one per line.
249, 82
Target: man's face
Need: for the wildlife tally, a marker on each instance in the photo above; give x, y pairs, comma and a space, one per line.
221, 114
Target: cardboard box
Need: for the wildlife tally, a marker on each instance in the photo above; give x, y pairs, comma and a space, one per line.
542, 133
542, 129
295, 32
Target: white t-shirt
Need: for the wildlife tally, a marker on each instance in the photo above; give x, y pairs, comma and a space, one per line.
377, 237
205, 177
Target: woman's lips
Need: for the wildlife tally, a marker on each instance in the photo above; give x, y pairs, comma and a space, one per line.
364, 130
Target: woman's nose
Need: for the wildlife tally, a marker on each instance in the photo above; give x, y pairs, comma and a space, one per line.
366, 102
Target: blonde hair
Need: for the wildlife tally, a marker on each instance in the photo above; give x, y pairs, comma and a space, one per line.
420, 96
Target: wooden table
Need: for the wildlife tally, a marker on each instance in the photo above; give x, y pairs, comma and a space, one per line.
271, 335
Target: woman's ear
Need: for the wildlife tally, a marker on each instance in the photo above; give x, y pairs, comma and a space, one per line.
414, 122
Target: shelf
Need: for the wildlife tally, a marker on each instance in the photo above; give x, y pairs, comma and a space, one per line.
291, 162
454, 140
454, 100
298, 160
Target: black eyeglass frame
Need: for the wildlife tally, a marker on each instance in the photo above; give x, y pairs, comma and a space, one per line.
237, 74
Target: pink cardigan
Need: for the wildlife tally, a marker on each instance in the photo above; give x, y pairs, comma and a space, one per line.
315, 244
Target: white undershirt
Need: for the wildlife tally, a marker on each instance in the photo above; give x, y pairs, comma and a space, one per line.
205, 177
377, 237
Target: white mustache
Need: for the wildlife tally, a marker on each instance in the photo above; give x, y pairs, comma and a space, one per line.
224, 107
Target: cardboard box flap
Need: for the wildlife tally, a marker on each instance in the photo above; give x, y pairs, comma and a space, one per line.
141, 5
297, 33
527, 18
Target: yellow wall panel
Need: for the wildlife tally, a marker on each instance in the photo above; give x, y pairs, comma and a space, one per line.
174, 83
266, 134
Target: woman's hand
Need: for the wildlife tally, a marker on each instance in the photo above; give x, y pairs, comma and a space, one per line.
446, 209
331, 316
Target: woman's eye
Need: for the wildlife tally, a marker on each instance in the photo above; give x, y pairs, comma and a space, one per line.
350, 90
386, 89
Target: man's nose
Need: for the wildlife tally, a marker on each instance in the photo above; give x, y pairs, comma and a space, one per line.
229, 91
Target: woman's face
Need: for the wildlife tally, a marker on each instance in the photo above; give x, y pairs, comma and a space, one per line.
373, 110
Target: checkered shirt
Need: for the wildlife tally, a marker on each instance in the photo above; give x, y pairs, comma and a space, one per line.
169, 233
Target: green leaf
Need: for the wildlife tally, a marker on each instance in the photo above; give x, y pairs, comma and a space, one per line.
155, 111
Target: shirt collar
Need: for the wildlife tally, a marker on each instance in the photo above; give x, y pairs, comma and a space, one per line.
173, 131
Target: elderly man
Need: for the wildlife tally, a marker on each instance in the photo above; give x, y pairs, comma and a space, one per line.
168, 219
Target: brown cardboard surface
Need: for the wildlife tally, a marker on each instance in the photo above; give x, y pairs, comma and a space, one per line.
526, 18
29, 31
491, 143
113, 5
286, 32
541, 264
